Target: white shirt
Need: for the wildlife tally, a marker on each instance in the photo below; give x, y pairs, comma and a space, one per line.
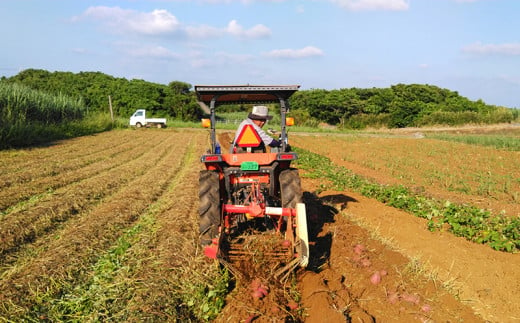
264, 136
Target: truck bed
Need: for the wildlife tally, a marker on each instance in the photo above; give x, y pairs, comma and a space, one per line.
156, 120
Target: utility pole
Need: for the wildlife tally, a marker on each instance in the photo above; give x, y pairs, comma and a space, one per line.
110, 106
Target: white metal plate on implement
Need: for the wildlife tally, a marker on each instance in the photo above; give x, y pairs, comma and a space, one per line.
301, 232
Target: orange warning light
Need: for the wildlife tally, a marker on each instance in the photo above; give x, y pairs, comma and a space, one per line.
248, 137
289, 121
206, 123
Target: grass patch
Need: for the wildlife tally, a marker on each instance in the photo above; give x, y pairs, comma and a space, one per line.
25, 204
37, 133
93, 300
29, 117
499, 231
496, 141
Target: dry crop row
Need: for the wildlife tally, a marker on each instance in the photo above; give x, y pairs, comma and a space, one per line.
51, 247
15, 161
27, 223
42, 178
486, 177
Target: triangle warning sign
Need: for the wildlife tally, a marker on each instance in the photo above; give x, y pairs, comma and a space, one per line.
248, 137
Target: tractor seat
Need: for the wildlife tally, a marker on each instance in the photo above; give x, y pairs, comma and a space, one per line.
240, 150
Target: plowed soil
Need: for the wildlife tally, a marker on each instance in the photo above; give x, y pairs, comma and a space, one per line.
479, 277
104, 228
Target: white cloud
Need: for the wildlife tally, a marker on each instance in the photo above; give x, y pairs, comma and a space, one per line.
158, 21
515, 80
241, 1
511, 49
200, 57
153, 52
233, 58
79, 50
201, 63
196, 56
232, 28
309, 51
360, 5
203, 31
258, 31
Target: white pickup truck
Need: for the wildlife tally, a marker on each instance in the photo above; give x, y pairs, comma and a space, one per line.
139, 120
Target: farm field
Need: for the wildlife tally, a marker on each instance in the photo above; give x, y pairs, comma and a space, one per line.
468, 174
481, 176
105, 227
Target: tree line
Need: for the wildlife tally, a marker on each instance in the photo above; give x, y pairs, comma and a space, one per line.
395, 107
400, 105
94, 88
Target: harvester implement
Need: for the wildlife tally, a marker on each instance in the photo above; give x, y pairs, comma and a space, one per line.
251, 202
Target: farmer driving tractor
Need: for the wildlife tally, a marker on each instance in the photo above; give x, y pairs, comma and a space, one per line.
256, 118
243, 195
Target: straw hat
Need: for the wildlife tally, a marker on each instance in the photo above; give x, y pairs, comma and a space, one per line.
260, 112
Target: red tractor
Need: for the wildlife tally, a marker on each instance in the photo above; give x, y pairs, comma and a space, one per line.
252, 193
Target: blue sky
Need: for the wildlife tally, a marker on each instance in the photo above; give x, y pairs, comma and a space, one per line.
468, 46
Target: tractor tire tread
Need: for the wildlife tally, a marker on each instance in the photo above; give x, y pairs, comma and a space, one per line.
290, 188
209, 205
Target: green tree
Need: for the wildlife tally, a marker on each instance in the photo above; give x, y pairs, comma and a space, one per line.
404, 113
179, 87
94, 88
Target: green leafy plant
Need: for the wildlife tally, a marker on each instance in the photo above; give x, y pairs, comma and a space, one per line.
499, 231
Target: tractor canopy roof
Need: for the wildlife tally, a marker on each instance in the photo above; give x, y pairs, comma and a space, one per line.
226, 94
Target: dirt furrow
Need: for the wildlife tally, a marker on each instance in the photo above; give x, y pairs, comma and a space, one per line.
104, 222
26, 225
485, 279
353, 277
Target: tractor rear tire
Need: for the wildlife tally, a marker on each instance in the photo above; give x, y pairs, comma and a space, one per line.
290, 188
209, 206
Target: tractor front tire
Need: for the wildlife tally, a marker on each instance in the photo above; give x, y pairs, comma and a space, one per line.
290, 188
209, 206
